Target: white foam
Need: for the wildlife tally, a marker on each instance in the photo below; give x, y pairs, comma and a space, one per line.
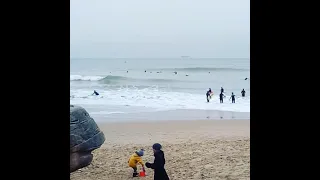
108, 112
85, 78
157, 99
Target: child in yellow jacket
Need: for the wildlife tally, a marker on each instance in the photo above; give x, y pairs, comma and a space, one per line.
134, 160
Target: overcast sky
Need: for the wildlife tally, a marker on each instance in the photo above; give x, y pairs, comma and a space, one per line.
159, 28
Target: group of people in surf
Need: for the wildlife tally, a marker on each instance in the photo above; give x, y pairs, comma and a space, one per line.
208, 95
221, 95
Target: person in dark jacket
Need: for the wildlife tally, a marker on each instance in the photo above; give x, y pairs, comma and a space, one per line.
158, 164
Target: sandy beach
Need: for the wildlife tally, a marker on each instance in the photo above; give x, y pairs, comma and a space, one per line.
195, 149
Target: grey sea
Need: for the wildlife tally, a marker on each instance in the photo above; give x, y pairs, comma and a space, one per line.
156, 89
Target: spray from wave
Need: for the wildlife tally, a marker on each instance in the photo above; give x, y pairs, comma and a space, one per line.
96, 78
154, 97
85, 78
116, 79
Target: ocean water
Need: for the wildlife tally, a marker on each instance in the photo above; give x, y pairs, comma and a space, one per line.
142, 86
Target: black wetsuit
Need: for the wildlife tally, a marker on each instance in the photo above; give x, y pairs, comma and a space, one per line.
243, 93
233, 98
221, 98
96, 93
208, 95
222, 90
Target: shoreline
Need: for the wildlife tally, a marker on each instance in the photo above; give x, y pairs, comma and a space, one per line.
168, 121
179, 114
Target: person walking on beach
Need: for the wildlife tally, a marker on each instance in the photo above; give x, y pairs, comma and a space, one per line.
221, 97
134, 159
233, 98
243, 92
158, 164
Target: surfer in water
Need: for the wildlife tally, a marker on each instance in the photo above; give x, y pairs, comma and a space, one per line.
208, 95
95, 93
243, 92
221, 97
233, 98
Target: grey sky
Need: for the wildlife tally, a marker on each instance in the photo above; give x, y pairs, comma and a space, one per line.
160, 28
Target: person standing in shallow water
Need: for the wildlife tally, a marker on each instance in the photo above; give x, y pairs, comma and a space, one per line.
243, 93
221, 97
208, 95
233, 98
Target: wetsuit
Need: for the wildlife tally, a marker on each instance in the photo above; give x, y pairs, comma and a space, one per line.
210, 92
243, 93
96, 93
221, 98
208, 95
222, 90
233, 98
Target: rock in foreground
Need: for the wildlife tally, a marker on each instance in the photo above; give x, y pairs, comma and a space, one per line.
85, 136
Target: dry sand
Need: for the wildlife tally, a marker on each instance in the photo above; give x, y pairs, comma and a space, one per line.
204, 149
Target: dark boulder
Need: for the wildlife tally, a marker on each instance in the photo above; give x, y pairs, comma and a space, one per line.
85, 136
